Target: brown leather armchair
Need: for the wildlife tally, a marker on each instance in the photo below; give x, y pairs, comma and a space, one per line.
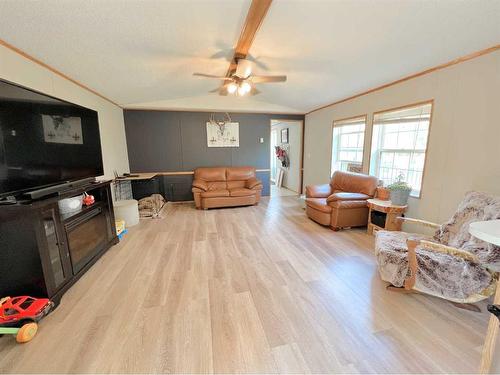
226, 187
342, 202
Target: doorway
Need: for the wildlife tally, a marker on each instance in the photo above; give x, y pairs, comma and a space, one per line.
286, 157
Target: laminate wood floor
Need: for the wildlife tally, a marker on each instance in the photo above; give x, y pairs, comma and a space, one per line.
253, 289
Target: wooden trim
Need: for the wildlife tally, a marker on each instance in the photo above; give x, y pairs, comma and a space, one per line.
255, 16
431, 102
406, 106
301, 171
230, 111
281, 120
53, 70
415, 75
365, 115
331, 138
426, 151
301, 167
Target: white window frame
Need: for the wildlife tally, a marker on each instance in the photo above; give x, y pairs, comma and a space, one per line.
336, 149
376, 156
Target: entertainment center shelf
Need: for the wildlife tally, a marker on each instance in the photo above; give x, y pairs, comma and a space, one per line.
43, 253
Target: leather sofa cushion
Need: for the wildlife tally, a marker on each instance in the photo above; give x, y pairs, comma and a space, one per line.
354, 183
319, 204
215, 193
344, 196
241, 192
235, 184
318, 191
217, 185
348, 204
228, 201
210, 174
323, 218
239, 173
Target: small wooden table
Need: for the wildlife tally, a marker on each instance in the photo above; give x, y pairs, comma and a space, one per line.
388, 212
488, 231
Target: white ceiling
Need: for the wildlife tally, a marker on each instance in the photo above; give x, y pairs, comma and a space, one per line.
143, 53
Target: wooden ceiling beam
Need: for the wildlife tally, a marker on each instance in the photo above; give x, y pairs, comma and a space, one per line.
255, 16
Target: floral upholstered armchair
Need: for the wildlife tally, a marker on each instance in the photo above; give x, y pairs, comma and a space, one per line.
452, 264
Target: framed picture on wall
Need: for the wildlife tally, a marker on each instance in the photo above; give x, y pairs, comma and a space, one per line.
284, 135
223, 134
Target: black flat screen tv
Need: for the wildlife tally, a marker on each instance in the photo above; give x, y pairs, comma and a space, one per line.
45, 141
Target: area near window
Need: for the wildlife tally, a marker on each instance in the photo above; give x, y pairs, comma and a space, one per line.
347, 144
399, 144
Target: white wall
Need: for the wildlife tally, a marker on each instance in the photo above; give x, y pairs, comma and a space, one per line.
18, 69
291, 179
464, 142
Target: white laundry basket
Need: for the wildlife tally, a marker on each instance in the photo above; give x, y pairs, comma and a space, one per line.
127, 210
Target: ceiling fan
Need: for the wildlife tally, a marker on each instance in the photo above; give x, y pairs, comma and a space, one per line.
241, 81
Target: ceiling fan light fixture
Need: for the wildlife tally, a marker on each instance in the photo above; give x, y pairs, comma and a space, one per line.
231, 88
244, 88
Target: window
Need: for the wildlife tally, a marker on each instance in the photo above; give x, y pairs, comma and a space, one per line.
347, 144
399, 144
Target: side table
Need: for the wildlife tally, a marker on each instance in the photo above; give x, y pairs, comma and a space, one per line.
382, 215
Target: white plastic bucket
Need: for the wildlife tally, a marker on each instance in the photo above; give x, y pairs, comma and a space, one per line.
127, 210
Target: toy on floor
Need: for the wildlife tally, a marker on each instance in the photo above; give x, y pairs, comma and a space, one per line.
19, 316
120, 228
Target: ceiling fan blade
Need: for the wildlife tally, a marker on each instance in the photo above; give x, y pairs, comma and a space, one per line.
256, 61
222, 90
225, 54
265, 79
212, 76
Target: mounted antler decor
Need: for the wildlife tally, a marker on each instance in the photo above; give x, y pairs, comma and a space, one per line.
223, 133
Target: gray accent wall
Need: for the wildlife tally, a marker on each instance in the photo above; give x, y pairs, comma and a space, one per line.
174, 141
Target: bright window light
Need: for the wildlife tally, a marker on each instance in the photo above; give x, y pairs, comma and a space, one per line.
347, 144
399, 145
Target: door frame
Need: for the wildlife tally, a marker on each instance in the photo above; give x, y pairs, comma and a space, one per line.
301, 158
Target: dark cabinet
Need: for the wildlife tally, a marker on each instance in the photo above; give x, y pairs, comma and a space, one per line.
42, 253
54, 250
178, 187
174, 188
145, 188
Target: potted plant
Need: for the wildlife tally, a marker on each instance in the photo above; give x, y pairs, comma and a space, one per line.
382, 192
400, 191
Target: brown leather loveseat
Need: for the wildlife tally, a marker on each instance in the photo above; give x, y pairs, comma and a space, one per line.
342, 202
226, 187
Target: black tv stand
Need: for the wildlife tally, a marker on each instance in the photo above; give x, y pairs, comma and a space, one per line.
43, 253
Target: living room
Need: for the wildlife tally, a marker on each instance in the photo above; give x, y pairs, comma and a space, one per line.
249, 186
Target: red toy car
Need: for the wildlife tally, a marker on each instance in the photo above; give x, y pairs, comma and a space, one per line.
17, 311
